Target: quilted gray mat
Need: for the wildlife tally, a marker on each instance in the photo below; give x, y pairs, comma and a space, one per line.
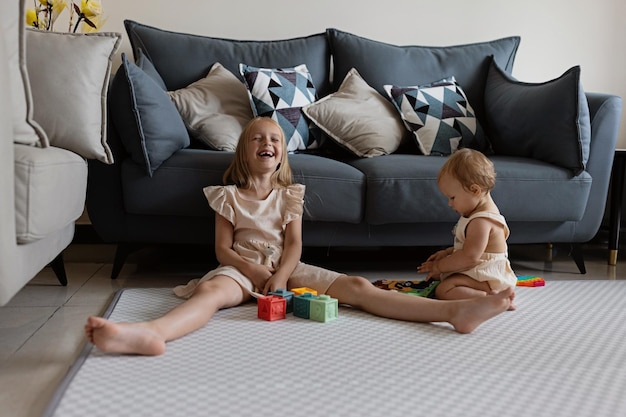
562, 353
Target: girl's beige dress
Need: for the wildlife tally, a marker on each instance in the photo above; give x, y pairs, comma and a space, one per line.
259, 227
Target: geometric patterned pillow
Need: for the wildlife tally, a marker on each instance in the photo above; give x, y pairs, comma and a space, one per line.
280, 93
438, 114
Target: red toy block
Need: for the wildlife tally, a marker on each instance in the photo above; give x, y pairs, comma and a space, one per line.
272, 308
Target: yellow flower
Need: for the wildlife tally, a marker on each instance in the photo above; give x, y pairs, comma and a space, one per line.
91, 8
98, 21
57, 7
32, 19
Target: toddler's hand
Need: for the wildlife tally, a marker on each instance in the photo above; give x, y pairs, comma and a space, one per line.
429, 268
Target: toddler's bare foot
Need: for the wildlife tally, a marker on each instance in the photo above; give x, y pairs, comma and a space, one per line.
476, 311
135, 338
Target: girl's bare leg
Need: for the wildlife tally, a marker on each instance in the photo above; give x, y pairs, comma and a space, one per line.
149, 338
464, 315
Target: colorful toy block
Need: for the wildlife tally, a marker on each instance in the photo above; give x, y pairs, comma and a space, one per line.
302, 305
287, 295
324, 308
303, 290
271, 308
530, 281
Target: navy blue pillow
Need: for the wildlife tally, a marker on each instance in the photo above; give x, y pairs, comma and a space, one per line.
546, 121
148, 123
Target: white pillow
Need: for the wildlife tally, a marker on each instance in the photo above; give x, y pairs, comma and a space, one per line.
358, 118
215, 109
69, 75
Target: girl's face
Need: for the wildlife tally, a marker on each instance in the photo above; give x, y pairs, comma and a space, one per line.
461, 200
265, 147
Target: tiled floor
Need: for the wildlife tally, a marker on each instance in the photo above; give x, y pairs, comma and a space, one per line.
41, 329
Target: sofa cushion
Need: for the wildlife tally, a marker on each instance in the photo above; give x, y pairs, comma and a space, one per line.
215, 109
89, 56
42, 177
182, 58
403, 189
439, 115
280, 93
382, 63
545, 121
189, 170
12, 22
358, 118
150, 126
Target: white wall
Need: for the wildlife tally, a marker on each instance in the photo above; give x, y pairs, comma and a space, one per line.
556, 34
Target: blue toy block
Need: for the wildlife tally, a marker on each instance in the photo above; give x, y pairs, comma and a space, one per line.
302, 305
287, 295
324, 308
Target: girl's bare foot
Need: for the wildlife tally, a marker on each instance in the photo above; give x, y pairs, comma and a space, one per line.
473, 312
135, 338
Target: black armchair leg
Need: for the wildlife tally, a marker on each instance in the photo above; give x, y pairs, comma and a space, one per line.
121, 254
59, 269
576, 252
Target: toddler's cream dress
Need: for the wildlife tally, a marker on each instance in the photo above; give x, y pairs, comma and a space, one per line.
493, 267
259, 227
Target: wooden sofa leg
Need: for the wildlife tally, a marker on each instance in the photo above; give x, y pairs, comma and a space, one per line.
576, 252
121, 254
59, 269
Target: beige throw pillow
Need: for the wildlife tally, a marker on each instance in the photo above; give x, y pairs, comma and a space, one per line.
358, 118
215, 109
69, 75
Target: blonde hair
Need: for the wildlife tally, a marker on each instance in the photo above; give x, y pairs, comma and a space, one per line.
469, 167
238, 172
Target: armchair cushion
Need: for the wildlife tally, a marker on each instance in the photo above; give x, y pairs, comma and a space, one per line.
69, 75
50, 187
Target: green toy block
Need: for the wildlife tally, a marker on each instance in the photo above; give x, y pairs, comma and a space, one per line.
324, 308
302, 305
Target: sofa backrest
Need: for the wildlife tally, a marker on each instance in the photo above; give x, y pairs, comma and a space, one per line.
181, 58
382, 63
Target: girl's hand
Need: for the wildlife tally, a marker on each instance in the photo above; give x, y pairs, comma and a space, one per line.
275, 282
259, 274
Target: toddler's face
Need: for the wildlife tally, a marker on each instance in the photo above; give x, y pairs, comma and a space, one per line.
265, 150
461, 200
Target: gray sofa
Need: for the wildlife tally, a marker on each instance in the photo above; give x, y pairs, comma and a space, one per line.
552, 144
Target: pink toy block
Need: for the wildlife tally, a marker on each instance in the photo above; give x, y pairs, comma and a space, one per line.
272, 308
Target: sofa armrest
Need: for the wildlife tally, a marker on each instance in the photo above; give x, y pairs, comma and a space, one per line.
605, 112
